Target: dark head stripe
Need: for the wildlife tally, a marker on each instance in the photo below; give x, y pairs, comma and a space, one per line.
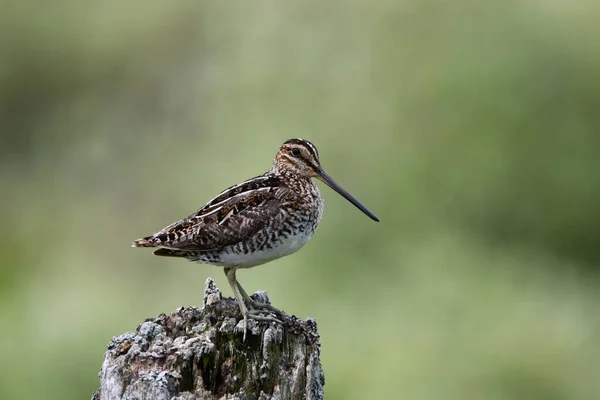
305, 143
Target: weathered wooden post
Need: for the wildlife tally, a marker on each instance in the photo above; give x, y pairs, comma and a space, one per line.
197, 353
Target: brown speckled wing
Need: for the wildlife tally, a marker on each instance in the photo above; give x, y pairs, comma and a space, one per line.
233, 215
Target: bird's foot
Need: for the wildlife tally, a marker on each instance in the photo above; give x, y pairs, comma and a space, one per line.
255, 315
256, 305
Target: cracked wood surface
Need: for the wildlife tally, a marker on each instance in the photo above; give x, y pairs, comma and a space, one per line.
196, 353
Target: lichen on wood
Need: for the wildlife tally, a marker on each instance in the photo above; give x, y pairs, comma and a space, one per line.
199, 353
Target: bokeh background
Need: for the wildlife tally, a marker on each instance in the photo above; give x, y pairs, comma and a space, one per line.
471, 128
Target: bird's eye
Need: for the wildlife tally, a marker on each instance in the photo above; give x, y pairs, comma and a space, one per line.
296, 151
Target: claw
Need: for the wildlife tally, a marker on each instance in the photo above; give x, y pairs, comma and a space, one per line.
255, 315
264, 306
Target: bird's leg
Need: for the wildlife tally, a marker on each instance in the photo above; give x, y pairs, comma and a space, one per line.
255, 304
235, 287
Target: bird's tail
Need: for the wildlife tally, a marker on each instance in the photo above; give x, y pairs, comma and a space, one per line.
150, 241
143, 242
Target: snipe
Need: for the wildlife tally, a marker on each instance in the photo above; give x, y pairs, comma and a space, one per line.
256, 221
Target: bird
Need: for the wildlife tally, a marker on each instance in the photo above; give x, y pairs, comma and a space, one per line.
254, 222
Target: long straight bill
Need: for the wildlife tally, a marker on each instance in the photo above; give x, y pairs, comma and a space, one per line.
335, 186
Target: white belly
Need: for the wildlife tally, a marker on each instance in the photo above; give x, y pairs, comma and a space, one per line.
287, 246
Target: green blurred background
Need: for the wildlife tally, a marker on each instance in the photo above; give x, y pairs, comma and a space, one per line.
471, 128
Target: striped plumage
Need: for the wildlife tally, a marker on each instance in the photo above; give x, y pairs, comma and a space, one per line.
256, 221
247, 225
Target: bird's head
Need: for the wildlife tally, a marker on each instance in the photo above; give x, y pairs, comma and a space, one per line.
300, 157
